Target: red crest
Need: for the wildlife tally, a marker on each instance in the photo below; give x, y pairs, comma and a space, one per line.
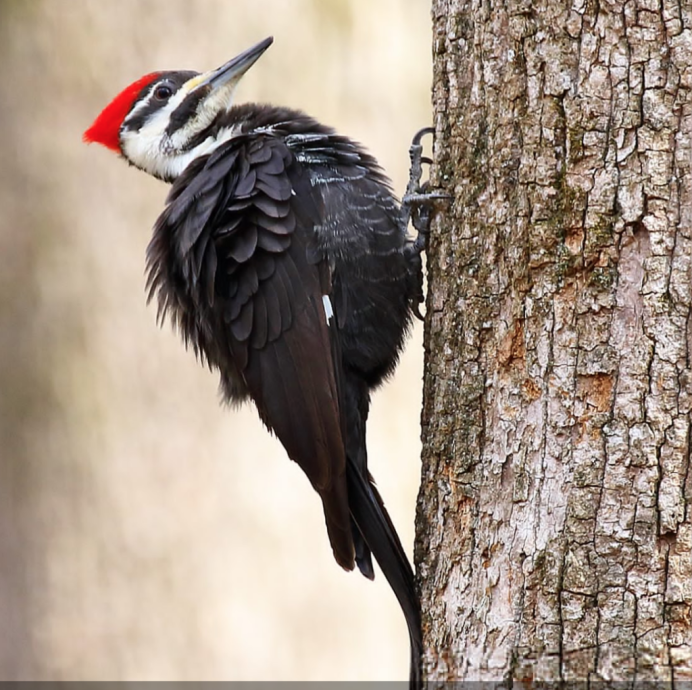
105, 129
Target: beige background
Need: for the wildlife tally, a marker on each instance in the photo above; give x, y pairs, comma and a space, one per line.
145, 532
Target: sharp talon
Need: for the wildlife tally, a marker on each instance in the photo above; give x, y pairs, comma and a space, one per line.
417, 314
421, 133
426, 160
425, 198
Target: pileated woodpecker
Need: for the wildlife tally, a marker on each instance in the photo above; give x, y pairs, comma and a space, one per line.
281, 257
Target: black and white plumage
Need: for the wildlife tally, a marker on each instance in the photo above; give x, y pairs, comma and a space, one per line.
281, 258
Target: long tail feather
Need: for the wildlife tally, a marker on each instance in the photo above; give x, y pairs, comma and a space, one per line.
374, 523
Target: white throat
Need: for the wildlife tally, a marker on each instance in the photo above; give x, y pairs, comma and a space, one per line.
147, 153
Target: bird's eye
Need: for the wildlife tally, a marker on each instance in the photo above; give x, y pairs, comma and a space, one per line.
163, 92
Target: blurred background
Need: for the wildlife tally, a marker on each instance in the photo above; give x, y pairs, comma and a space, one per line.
147, 533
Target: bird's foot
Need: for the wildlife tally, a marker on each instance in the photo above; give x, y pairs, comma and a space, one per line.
418, 198
416, 205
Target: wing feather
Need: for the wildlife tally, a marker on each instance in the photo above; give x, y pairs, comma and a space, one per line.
240, 284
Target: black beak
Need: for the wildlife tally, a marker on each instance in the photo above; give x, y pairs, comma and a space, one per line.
236, 67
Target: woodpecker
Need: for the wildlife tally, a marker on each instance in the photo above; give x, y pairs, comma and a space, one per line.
282, 259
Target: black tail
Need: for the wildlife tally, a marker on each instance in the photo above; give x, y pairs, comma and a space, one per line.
373, 530
375, 525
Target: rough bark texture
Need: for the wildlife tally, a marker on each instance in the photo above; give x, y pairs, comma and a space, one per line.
554, 526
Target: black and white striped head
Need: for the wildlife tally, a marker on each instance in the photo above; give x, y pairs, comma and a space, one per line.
163, 121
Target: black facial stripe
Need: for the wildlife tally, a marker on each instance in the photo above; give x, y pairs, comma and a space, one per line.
174, 79
184, 112
135, 124
207, 132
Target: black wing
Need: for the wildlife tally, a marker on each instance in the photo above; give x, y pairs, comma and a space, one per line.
230, 260
242, 258
373, 293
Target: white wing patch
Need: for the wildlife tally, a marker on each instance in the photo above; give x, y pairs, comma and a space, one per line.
328, 311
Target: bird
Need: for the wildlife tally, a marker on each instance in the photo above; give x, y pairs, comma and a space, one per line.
282, 259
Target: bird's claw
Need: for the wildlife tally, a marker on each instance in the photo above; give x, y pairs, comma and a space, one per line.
422, 197
420, 134
416, 205
417, 200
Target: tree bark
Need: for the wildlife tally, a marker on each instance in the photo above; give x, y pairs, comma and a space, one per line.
554, 526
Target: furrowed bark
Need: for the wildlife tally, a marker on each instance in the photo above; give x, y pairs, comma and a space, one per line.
554, 527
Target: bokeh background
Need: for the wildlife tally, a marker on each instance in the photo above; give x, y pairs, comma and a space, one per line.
146, 533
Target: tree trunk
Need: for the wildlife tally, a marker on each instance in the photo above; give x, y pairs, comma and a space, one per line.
554, 527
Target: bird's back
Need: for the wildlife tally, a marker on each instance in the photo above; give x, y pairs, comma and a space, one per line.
359, 232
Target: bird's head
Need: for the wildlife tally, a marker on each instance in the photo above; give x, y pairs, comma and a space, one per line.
163, 121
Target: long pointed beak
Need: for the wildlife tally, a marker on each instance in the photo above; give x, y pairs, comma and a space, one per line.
234, 69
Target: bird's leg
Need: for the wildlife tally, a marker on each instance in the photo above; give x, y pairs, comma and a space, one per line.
415, 209
416, 203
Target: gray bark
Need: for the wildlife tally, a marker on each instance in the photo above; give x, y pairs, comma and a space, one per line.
554, 525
